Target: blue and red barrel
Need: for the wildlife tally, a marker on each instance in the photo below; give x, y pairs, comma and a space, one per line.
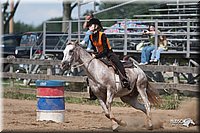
50, 100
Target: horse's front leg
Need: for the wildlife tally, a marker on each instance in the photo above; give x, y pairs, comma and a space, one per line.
115, 122
110, 115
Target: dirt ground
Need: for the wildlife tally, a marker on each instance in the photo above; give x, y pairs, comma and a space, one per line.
20, 115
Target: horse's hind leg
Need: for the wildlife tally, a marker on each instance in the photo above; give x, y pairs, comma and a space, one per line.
133, 101
142, 90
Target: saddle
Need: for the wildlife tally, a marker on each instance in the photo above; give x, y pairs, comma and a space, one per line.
126, 64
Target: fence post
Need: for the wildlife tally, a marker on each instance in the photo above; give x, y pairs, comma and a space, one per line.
49, 70
125, 37
79, 24
156, 34
176, 81
44, 39
49, 67
11, 79
70, 30
188, 38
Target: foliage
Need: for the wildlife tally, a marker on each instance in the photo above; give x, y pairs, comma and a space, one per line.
8, 14
20, 27
170, 101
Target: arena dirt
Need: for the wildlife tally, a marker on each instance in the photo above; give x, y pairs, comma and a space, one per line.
20, 115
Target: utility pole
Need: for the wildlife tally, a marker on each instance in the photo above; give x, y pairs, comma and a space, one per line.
11, 26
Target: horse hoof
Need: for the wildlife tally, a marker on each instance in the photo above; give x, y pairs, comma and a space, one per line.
115, 126
150, 127
123, 123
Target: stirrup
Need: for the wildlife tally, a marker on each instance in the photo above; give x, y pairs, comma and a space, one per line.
126, 84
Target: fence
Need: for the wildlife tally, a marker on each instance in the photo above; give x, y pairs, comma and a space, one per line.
125, 34
149, 68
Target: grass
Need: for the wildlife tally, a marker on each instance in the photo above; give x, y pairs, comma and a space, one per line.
21, 96
17, 95
168, 101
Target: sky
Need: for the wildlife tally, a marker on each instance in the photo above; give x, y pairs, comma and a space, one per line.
35, 12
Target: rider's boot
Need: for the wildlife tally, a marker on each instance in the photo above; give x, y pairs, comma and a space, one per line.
125, 83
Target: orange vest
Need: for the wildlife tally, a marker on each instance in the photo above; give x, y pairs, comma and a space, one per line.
98, 44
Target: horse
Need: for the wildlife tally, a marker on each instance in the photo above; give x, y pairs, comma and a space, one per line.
105, 84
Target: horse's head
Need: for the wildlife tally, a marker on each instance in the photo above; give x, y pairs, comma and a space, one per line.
70, 56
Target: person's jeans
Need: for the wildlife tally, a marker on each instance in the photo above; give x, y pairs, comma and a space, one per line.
156, 53
87, 39
146, 53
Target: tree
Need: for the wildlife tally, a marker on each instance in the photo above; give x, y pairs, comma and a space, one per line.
8, 15
67, 10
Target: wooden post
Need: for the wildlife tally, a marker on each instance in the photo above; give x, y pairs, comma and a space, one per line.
176, 81
11, 79
49, 70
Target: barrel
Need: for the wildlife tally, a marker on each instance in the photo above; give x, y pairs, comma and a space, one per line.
50, 100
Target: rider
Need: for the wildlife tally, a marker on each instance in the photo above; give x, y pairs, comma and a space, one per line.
101, 45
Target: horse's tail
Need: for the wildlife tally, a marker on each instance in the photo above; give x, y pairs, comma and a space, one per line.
153, 95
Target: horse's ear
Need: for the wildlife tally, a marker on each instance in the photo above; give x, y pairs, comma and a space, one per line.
73, 43
69, 43
76, 42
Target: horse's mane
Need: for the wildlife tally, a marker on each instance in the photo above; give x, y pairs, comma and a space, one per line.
78, 46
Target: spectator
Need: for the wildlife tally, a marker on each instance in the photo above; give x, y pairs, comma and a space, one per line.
162, 45
146, 50
86, 39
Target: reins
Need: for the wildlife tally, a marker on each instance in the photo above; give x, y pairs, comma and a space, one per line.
79, 65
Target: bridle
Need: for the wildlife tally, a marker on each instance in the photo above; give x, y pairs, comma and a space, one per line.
76, 58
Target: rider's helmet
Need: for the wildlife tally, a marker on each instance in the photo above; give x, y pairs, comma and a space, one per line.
96, 22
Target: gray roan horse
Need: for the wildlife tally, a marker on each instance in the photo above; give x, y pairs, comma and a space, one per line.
102, 80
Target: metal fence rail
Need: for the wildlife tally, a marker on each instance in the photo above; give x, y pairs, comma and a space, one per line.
179, 32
